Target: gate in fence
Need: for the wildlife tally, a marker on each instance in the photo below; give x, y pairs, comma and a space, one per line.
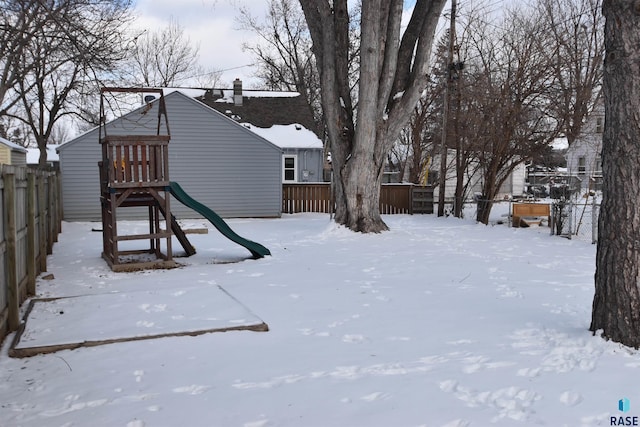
575, 219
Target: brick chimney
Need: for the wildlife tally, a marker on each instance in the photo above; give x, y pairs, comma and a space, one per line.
237, 92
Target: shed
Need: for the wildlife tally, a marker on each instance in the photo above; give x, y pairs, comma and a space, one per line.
12, 153
219, 162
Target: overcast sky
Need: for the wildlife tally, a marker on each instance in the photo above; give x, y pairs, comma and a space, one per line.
212, 24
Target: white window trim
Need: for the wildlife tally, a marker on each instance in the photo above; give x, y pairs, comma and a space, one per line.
295, 167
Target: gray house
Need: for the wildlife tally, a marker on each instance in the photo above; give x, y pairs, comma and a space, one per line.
219, 162
284, 118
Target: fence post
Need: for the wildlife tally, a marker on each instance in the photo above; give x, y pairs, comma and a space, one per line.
31, 234
411, 187
50, 214
42, 223
570, 220
59, 211
594, 221
11, 237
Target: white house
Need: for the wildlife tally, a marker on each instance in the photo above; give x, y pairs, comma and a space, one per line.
514, 185
584, 156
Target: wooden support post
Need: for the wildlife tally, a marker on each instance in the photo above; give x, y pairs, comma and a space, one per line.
42, 224
51, 214
31, 234
59, 201
55, 228
11, 238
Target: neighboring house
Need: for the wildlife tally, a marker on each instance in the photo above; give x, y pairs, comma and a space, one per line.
514, 185
584, 156
218, 161
53, 160
12, 154
284, 118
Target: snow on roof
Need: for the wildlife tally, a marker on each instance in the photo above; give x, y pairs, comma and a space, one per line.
287, 136
13, 145
33, 155
560, 144
227, 94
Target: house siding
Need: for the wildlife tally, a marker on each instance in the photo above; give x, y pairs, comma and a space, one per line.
588, 146
309, 160
215, 160
9, 156
5, 155
18, 158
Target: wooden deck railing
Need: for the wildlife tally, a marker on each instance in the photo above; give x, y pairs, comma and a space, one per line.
394, 198
137, 159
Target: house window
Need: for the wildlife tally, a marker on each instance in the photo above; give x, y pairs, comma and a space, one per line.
598, 165
290, 168
582, 165
599, 124
433, 177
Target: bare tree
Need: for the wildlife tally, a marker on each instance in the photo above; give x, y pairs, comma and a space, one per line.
74, 44
616, 304
392, 74
21, 23
413, 150
167, 58
507, 108
574, 44
283, 55
416, 144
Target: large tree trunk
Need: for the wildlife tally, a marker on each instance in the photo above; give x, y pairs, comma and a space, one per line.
616, 304
392, 75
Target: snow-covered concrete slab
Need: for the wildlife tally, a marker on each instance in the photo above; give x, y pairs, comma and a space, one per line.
54, 324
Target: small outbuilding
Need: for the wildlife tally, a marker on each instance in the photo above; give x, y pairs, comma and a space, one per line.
218, 161
12, 153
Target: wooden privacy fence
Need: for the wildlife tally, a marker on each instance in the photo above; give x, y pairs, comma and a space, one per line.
394, 198
30, 207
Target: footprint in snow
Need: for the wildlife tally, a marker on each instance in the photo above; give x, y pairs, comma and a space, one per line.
457, 423
570, 398
259, 423
353, 338
145, 324
192, 389
375, 396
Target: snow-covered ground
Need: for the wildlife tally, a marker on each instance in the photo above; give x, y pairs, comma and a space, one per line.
438, 322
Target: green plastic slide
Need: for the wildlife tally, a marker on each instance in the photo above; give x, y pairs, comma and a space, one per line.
256, 249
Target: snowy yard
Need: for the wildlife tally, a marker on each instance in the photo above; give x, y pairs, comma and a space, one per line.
438, 322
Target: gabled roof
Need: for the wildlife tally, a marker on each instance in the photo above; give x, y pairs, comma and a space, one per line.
12, 145
283, 119
173, 94
263, 108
